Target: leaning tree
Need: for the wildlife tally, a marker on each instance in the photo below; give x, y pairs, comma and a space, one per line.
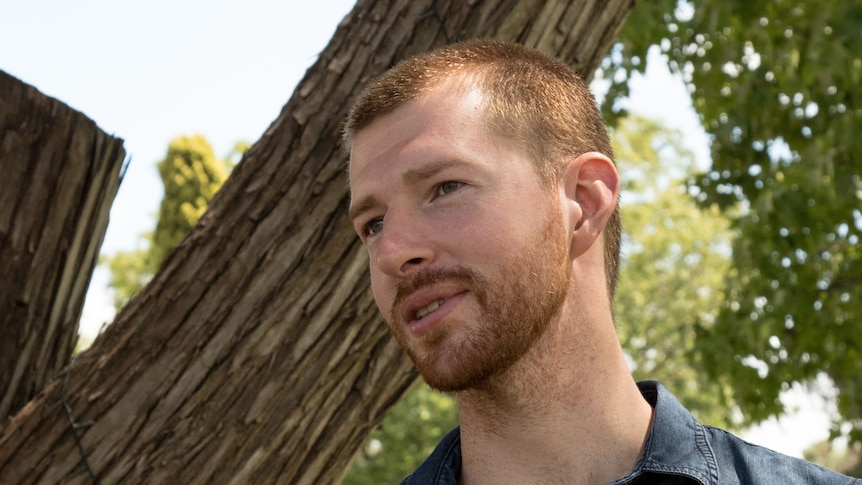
60, 173
256, 354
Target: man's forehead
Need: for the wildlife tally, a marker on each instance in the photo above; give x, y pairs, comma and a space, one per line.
444, 98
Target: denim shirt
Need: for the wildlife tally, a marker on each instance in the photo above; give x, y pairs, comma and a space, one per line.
677, 450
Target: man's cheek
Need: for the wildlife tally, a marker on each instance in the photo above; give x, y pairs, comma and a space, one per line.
382, 298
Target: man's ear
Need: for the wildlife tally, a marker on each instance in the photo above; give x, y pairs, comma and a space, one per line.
592, 187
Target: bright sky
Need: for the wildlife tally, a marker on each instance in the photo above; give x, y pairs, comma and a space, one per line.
150, 71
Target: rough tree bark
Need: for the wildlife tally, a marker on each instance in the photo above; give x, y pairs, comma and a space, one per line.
256, 355
59, 174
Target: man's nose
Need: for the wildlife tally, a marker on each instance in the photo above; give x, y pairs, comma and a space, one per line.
403, 246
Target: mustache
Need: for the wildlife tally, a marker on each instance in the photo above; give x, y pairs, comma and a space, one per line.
431, 276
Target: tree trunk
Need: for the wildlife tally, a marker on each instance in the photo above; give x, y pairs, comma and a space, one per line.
256, 355
59, 174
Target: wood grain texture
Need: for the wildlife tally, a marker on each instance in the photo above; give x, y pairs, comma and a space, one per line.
59, 174
256, 355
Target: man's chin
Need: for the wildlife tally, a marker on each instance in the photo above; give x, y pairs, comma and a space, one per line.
447, 386
451, 377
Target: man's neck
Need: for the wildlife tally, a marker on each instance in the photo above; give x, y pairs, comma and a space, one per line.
569, 412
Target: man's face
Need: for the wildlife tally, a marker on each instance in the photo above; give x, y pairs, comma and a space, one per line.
468, 255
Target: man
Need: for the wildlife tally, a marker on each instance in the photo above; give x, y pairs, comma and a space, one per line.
483, 186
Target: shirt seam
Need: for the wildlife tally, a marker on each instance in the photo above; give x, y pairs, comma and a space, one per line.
447, 456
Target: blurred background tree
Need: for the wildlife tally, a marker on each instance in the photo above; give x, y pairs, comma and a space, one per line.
191, 175
837, 456
405, 438
675, 256
777, 87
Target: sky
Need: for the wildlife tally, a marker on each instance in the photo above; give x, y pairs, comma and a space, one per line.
148, 72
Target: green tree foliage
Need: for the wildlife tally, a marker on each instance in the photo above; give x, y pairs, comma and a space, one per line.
130, 271
675, 258
406, 437
191, 175
843, 459
777, 84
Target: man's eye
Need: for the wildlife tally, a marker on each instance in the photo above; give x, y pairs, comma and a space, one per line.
448, 187
374, 227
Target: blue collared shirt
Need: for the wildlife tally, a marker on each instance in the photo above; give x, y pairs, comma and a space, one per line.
677, 450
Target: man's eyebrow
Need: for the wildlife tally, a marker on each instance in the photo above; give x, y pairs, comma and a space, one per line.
410, 177
364, 204
429, 170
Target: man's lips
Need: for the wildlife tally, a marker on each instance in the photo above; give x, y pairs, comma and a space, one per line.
423, 301
425, 308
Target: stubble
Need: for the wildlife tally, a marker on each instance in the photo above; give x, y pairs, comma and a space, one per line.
516, 307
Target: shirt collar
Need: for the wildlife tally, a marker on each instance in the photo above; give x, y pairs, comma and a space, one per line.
676, 443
